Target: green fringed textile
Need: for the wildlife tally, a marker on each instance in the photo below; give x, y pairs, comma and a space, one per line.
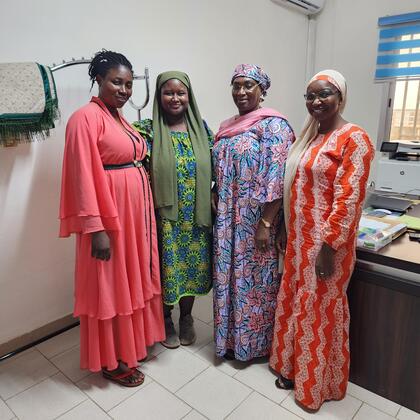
28, 102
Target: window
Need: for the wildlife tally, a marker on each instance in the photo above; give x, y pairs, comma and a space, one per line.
398, 64
405, 111
405, 118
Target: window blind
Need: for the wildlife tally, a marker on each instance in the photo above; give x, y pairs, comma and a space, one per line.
399, 47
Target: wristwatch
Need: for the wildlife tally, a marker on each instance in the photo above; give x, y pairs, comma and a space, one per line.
266, 223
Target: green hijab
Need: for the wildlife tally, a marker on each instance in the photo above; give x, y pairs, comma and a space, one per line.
163, 170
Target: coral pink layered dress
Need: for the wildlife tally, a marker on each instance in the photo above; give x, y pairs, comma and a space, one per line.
118, 301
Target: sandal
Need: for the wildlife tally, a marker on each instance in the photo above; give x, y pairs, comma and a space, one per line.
284, 383
131, 378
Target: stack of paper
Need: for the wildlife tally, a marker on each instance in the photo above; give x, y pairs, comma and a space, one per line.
375, 233
411, 221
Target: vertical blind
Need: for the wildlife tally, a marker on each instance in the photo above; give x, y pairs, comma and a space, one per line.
399, 47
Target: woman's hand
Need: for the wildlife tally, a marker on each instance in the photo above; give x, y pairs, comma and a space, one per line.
324, 265
262, 236
101, 246
214, 200
281, 239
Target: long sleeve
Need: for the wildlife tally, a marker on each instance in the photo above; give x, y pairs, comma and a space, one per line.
349, 190
276, 139
86, 203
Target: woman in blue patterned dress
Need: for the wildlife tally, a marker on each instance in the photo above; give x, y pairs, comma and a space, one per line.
179, 143
249, 158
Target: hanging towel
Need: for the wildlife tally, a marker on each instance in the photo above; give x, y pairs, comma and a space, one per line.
28, 101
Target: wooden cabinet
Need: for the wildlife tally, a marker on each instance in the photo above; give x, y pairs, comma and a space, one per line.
385, 334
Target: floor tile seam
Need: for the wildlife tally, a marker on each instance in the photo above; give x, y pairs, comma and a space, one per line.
202, 320
72, 408
186, 383
183, 417
220, 369
102, 409
398, 412
194, 409
382, 411
60, 353
45, 379
212, 365
373, 406
174, 394
360, 407
196, 351
12, 359
71, 380
221, 364
237, 380
10, 408
275, 402
140, 387
77, 384
242, 401
18, 356
280, 403
35, 384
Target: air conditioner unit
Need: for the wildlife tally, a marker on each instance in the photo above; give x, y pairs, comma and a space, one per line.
308, 7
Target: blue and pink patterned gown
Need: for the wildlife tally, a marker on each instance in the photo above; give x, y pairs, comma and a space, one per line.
249, 170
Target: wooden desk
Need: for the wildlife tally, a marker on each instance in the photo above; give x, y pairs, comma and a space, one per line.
384, 298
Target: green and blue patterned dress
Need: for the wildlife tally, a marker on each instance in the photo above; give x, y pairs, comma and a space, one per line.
185, 248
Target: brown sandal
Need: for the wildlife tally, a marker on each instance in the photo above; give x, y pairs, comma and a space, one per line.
131, 378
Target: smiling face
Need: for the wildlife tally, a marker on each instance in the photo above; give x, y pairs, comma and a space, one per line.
323, 100
246, 94
174, 98
116, 87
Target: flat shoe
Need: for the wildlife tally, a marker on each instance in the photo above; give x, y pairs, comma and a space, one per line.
229, 355
125, 378
284, 383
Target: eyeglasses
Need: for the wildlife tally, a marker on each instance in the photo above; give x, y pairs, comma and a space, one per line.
247, 86
324, 94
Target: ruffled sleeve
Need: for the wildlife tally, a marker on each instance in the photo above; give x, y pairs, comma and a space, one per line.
276, 138
86, 203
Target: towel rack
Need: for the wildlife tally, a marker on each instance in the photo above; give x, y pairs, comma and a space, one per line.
144, 77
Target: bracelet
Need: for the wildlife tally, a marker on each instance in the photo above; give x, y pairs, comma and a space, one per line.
266, 223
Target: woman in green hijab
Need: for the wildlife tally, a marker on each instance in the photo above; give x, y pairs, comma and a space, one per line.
179, 144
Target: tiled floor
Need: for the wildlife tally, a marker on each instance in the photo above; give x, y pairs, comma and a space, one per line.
187, 383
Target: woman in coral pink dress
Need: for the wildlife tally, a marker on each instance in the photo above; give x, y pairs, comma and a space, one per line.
106, 200
325, 183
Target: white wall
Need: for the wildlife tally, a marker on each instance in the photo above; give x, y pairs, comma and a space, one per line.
347, 40
204, 38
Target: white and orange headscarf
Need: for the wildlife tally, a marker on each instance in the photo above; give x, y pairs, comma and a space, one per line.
309, 132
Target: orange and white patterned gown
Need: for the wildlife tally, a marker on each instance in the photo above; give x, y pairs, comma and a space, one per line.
311, 333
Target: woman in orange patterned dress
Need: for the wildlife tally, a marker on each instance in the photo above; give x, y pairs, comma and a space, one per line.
326, 176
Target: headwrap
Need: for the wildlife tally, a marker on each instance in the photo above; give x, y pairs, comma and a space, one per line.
163, 171
254, 72
309, 132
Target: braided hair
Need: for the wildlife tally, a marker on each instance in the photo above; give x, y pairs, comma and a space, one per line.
105, 60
